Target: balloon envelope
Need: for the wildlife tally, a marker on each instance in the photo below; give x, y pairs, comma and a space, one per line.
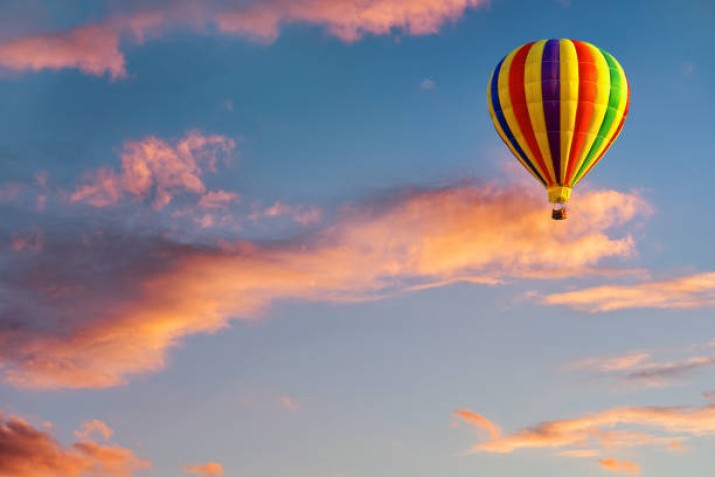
558, 105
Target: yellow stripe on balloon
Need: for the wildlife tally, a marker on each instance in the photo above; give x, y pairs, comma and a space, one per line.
600, 105
508, 110
534, 101
568, 65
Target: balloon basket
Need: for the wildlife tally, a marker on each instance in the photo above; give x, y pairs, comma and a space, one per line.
559, 213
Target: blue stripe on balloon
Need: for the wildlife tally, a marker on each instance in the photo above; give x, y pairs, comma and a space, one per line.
503, 124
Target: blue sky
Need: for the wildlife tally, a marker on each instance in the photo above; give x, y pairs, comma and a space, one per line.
275, 238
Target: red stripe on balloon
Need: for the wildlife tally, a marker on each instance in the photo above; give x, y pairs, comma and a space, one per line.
587, 86
517, 94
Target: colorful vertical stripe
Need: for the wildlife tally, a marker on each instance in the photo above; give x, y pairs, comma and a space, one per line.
558, 105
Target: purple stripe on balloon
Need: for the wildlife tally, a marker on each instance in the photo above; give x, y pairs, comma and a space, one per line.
551, 97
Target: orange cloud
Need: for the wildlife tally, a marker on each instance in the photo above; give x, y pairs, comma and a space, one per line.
124, 299
210, 469
94, 426
693, 291
26, 451
158, 170
95, 49
611, 364
612, 429
614, 465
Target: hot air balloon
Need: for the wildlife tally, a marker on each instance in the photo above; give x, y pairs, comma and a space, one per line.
558, 105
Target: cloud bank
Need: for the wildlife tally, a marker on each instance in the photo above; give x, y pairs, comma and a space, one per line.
106, 298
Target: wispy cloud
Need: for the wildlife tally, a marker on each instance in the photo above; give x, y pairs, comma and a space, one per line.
613, 363
26, 451
96, 49
210, 469
690, 291
27, 241
95, 426
619, 466
648, 368
606, 431
288, 403
103, 301
428, 84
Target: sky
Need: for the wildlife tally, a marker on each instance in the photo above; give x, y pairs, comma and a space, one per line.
271, 238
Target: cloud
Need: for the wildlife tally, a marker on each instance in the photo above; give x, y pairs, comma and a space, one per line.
217, 199
94, 426
93, 49
96, 49
687, 68
691, 291
641, 367
304, 215
617, 466
428, 84
614, 363
345, 19
102, 302
658, 374
26, 451
210, 469
288, 403
27, 241
156, 170
610, 430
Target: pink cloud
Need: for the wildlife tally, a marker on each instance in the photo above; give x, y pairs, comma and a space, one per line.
27, 241
289, 403
95, 49
345, 19
691, 291
26, 451
217, 199
124, 301
304, 215
157, 170
10, 191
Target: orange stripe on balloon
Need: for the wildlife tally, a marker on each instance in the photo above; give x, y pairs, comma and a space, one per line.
517, 93
587, 84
